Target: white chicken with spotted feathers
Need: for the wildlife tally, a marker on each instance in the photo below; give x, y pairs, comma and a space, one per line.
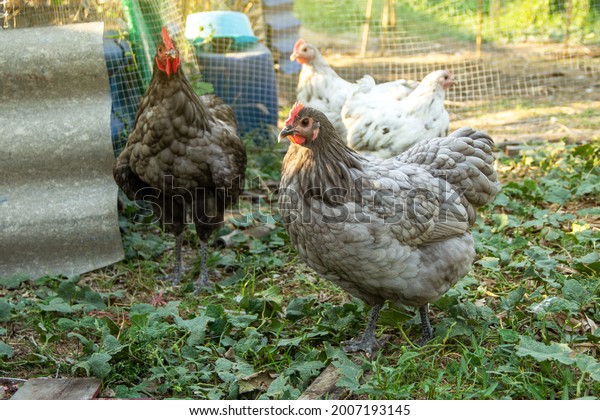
381, 125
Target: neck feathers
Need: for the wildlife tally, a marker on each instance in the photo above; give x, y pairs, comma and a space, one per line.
323, 169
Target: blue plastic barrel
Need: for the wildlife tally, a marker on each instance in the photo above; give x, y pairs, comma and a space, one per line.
246, 81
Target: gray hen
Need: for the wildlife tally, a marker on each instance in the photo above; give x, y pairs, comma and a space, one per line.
395, 229
183, 156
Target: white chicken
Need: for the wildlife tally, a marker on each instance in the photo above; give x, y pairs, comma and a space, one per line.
320, 87
382, 125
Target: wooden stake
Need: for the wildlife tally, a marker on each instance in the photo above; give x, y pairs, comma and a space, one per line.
568, 19
366, 28
478, 37
388, 20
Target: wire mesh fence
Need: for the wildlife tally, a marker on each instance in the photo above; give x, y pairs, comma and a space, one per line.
498, 49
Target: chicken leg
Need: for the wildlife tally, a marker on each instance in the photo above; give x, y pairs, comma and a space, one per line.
425, 324
367, 342
177, 271
203, 279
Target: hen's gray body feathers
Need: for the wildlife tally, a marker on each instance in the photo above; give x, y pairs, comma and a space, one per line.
397, 229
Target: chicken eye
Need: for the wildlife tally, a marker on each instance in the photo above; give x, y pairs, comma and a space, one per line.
304, 122
304, 49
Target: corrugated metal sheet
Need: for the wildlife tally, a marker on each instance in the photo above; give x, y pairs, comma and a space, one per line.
58, 200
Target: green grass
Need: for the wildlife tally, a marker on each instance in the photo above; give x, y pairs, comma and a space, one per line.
522, 325
516, 20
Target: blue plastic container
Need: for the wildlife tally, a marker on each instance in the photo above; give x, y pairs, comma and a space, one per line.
203, 26
246, 81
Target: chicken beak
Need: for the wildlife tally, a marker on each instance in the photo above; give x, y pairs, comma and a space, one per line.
293, 56
287, 131
171, 53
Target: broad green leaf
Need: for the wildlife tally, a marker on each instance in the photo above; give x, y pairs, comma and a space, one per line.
590, 258
557, 195
196, 326
171, 309
5, 309
67, 288
92, 300
589, 365
489, 262
273, 293
146, 246
57, 305
351, 374
234, 279
215, 311
241, 321
559, 352
307, 369
541, 259
123, 392
591, 211
252, 342
5, 350
513, 299
99, 365
252, 304
96, 365
584, 151
230, 371
112, 345
501, 200
449, 328
293, 342
14, 282
508, 336
574, 291
553, 304
66, 324
277, 387
393, 317
551, 234
141, 308
190, 353
542, 352
299, 308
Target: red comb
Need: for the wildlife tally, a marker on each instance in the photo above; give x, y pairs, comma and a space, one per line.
298, 44
166, 38
293, 112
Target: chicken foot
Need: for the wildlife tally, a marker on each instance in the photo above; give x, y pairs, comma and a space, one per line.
367, 343
425, 324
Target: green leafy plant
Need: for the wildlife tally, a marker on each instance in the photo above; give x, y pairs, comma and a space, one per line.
522, 325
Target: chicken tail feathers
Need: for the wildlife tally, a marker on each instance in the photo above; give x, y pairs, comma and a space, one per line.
464, 159
218, 109
365, 84
126, 179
